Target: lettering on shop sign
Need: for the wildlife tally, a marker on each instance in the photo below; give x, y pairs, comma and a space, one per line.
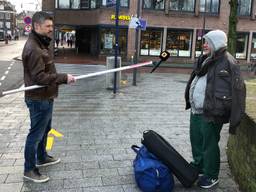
121, 17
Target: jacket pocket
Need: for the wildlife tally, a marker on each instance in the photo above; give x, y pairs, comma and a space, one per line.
223, 103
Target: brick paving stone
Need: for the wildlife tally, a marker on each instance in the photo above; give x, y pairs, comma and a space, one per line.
11, 187
3, 178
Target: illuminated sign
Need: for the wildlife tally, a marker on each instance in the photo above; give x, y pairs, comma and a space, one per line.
121, 17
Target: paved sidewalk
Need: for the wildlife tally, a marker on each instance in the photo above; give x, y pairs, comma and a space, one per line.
99, 129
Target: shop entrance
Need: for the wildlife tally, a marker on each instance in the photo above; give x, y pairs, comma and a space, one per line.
87, 41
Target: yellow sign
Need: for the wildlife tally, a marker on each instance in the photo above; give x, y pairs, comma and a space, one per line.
121, 17
50, 139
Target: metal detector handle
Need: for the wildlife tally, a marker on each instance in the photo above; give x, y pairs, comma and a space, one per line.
79, 77
156, 66
164, 55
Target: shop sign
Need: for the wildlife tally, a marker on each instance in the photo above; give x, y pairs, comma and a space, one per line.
138, 23
108, 38
121, 17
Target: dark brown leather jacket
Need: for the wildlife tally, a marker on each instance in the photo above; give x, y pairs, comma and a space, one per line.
39, 69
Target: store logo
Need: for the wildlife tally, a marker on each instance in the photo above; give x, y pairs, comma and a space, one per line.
121, 17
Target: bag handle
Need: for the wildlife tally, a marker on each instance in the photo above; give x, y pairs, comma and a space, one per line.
135, 148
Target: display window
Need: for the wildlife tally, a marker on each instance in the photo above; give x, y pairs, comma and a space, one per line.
107, 41
151, 41
241, 45
253, 47
179, 43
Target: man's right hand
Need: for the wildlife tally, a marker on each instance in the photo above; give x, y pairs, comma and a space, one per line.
71, 79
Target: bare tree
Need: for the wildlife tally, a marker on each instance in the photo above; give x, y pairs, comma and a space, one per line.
232, 34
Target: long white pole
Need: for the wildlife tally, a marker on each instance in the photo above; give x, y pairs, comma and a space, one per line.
80, 77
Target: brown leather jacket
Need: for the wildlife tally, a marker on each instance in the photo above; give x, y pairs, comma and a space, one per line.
39, 69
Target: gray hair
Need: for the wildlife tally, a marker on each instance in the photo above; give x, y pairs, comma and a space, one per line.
40, 17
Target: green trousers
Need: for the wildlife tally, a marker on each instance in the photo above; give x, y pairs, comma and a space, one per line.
204, 137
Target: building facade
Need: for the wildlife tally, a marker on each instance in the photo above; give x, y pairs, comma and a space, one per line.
7, 19
173, 25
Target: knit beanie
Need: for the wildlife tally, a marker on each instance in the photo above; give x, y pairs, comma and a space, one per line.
217, 39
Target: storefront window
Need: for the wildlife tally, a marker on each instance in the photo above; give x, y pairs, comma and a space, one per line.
182, 5
8, 16
178, 43
1, 24
8, 25
153, 4
253, 50
244, 7
123, 3
151, 42
75, 4
209, 6
241, 45
85, 4
64, 4
107, 44
1, 15
199, 34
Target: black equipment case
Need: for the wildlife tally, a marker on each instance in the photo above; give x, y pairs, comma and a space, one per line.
157, 145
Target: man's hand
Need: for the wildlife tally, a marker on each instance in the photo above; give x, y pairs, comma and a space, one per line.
71, 79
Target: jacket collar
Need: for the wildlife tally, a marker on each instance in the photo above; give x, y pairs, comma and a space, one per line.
43, 40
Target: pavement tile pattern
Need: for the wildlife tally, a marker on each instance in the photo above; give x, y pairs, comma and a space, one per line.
99, 129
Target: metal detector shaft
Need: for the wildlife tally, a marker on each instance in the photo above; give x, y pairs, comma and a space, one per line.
80, 77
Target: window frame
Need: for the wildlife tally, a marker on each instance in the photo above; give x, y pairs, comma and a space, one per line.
183, 11
153, 8
57, 5
253, 37
251, 10
178, 31
124, 7
246, 46
112, 28
152, 29
209, 13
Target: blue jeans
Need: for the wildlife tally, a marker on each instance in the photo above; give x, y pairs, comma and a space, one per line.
40, 117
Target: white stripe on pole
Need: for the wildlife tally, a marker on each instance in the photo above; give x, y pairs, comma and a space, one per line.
81, 77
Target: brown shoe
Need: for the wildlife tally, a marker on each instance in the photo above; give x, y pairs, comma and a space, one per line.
49, 160
35, 176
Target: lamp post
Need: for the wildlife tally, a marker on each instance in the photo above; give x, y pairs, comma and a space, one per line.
136, 43
116, 45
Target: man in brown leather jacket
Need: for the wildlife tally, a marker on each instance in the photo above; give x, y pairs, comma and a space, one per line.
39, 69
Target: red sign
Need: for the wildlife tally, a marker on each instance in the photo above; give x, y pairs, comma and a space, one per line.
28, 28
27, 20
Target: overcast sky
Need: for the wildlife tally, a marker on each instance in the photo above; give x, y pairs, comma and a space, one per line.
26, 5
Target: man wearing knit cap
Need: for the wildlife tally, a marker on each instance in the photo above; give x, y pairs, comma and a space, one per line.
215, 93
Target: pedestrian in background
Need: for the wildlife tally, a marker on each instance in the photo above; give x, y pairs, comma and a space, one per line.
37, 57
216, 95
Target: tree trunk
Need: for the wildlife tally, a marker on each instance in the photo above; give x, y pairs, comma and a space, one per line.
232, 34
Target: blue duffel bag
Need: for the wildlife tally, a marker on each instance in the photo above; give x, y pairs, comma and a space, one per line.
151, 175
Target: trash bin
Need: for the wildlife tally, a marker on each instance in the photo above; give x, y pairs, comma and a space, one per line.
110, 76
